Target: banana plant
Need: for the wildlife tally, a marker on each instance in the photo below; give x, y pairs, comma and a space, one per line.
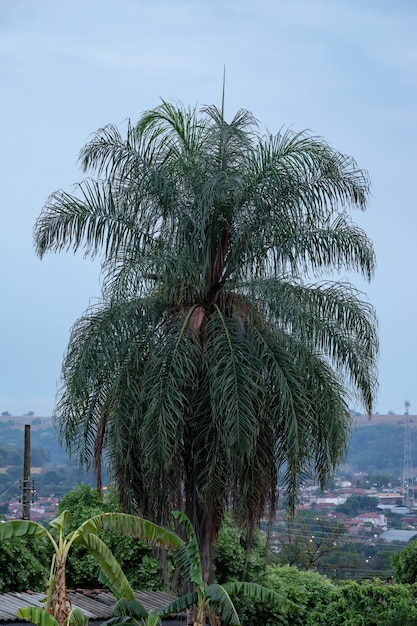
212, 600
57, 611
132, 613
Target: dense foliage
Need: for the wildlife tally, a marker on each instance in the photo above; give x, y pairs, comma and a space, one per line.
306, 589
366, 604
24, 564
355, 505
238, 558
404, 564
137, 559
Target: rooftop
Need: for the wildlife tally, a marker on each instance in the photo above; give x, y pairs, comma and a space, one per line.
97, 604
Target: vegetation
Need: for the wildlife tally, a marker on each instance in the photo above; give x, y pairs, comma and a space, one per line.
380, 446
24, 564
57, 609
132, 613
306, 589
355, 505
238, 557
210, 362
366, 604
135, 557
214, 600
317, 598
306, 539
404, 564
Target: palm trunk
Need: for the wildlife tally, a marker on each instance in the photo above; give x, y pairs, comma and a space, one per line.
60, 607
205, 519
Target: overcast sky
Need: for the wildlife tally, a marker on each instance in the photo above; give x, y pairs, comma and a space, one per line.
346, 69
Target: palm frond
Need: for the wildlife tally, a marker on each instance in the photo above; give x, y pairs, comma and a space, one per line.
166, 384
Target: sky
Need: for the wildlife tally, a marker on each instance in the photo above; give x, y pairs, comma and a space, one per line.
344, 69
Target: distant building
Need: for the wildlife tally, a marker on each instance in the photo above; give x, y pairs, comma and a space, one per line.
405, 536
376, 519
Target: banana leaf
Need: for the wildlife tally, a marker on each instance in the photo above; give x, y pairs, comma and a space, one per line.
260, 593
21, 528
110, 571
180, 604
37, 616
132, 526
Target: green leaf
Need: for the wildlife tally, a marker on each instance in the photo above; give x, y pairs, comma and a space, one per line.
60, 523
180, 604
21, 528
260, 593
110, 571
131, 608
219, 597
132, 526
188, 557
77, 617
153, 619
37, 616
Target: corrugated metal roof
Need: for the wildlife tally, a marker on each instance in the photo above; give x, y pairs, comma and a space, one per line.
398, 535
96, 604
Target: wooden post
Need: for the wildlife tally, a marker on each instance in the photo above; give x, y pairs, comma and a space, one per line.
26, 475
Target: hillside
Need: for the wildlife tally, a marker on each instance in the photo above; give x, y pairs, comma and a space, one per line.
376, 443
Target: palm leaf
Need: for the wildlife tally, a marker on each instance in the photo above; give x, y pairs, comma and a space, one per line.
211, 361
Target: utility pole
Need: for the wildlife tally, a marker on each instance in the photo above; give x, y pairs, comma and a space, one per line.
26, 491
408, 480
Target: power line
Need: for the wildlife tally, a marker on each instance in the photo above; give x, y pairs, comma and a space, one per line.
11, 485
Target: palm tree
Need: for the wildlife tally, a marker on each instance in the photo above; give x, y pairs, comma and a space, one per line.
212, 366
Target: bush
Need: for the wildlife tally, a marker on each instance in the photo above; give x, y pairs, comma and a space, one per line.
366, 604
404, 564
305, 588
234, 559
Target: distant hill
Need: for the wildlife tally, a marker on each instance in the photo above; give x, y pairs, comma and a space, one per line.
376, 444
54, 474
43, 440
392, 419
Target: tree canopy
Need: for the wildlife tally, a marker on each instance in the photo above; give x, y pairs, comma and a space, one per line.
221, 355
